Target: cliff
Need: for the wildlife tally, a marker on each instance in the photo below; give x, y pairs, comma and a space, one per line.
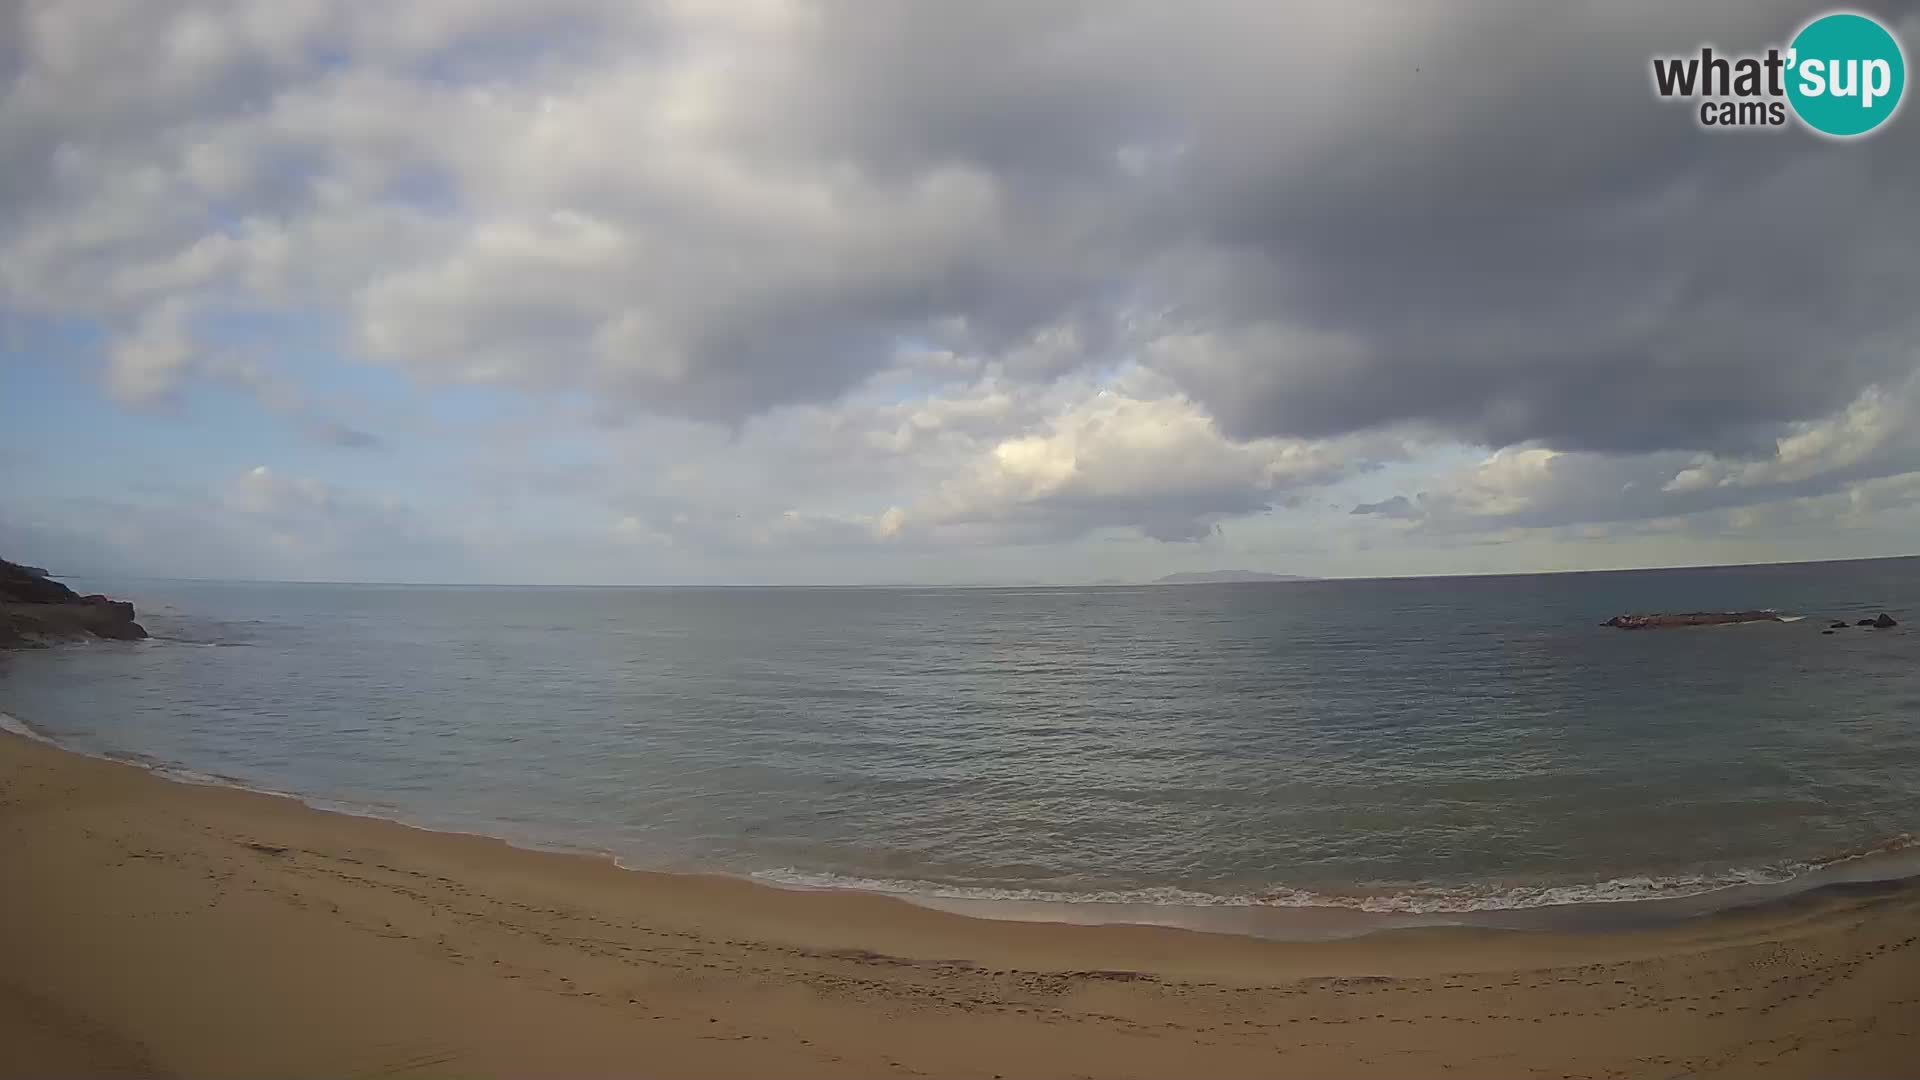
36, 611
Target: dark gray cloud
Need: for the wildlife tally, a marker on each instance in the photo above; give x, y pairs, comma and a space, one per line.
1529, 247
1477, 219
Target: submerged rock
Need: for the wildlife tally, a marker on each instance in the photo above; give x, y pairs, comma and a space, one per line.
1866, 622
1837, 625
1885, 621
1690, 618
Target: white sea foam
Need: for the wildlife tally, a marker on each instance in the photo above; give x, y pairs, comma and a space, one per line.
1411, 900
14, 726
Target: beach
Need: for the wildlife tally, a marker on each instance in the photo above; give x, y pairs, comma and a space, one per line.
155, 927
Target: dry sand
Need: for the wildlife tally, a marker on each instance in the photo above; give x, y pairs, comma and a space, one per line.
149, 927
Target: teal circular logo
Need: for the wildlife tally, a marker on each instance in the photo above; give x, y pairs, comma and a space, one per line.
1845, 74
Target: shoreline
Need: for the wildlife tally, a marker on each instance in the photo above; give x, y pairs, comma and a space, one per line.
159, 927
1893, 860
1896, 859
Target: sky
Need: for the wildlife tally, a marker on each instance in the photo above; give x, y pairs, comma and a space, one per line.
785, 292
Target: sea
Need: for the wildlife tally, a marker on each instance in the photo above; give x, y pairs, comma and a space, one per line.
1292, 759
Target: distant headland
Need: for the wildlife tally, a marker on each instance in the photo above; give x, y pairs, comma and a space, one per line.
1225, 577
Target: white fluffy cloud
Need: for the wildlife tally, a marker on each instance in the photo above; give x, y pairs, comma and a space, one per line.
1158, 464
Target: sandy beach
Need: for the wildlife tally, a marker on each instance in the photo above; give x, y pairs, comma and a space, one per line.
151, 927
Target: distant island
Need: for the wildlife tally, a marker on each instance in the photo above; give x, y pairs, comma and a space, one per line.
1222, 577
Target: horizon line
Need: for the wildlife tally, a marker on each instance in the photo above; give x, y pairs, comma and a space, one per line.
1276, 579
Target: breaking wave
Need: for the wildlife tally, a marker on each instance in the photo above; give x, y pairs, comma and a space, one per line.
15, 727
1410, 900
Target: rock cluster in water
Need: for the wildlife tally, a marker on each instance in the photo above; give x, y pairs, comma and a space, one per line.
1690, 618
1716, 618
1884, 622
36, 610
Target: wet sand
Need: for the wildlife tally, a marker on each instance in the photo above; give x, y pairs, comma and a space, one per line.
149, 927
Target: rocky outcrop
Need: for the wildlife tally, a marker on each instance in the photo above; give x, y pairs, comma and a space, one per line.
1691, 618
35, 610
31, 585
1717, 618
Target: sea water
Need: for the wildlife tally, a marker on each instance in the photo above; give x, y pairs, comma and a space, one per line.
1407, 749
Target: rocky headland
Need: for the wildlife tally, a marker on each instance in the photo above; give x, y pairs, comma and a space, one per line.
36, 611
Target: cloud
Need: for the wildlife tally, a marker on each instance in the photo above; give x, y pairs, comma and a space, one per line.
1156, 464
1857, 449
259, 522
278, 395
310, 523
1880, 428
995, 273
980, 462
1325, 264
147, 363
